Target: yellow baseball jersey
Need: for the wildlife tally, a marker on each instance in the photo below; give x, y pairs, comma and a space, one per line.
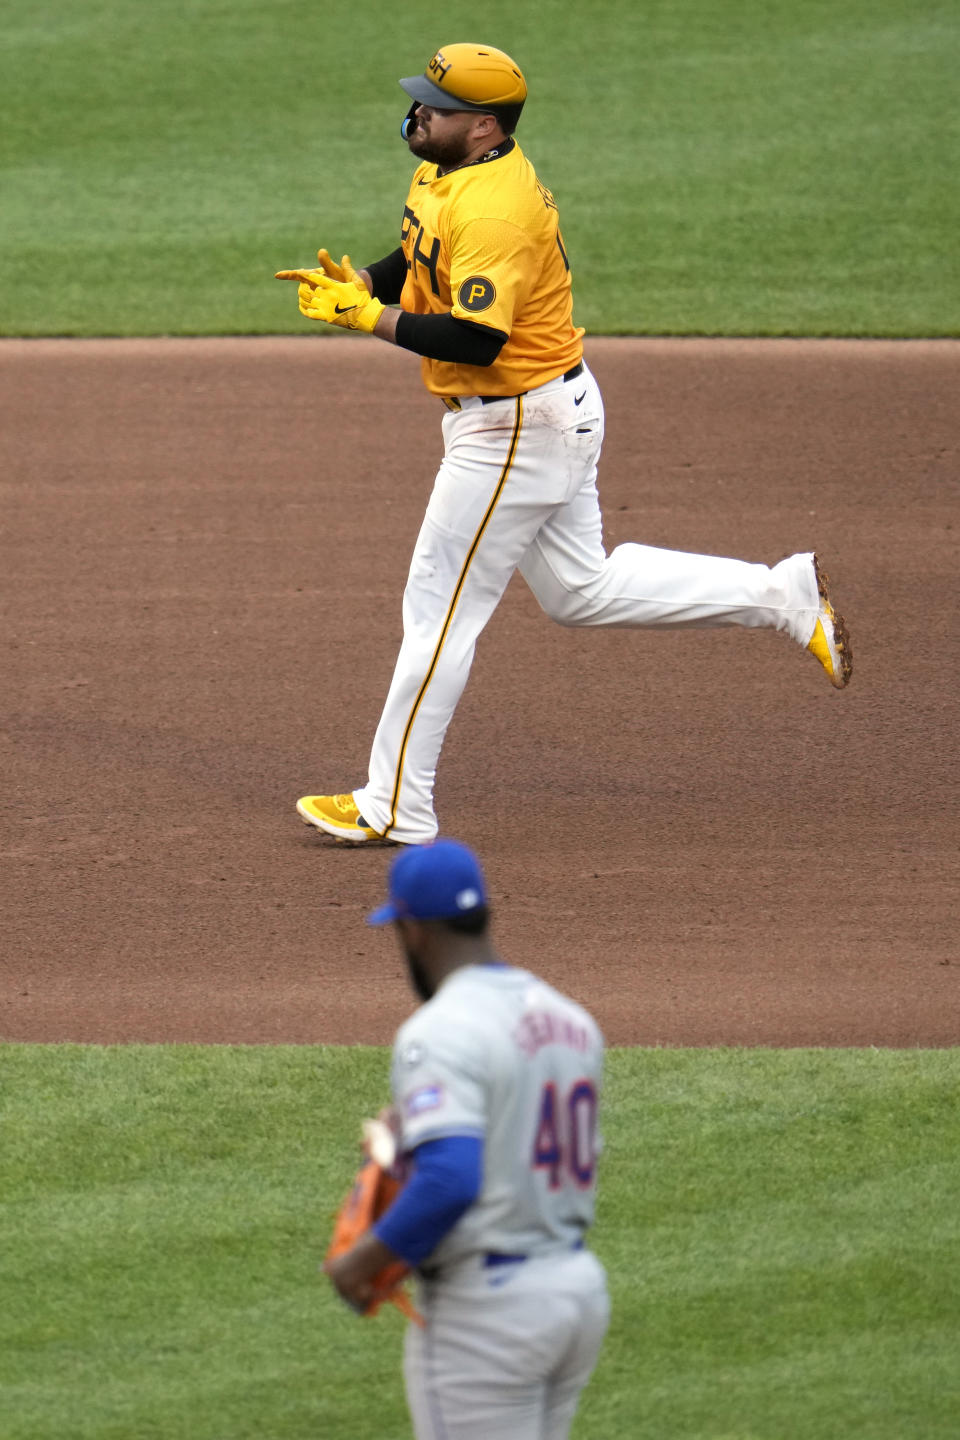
484, 243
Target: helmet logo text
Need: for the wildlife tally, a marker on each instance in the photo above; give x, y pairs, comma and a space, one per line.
438, 66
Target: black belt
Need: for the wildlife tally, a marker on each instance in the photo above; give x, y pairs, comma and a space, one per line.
570, 375
452, 403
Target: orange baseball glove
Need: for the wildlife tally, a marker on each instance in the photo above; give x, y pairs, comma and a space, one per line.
373, 1192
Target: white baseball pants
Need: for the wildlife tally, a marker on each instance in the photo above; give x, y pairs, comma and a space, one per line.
506, 1352
517, 488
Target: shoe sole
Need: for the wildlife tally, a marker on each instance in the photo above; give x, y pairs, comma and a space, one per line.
841, 636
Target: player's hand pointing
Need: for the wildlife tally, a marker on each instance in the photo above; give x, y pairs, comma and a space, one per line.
347, 303
307, 286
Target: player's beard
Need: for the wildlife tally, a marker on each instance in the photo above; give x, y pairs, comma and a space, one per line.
418, 976
446, 153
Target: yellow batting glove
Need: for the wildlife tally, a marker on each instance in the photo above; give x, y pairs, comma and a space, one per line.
341, 272
307, 282
347, 303
343, 302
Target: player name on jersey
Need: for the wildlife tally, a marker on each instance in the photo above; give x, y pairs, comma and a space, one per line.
543, 1027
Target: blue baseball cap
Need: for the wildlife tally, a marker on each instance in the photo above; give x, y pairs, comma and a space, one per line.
433, 882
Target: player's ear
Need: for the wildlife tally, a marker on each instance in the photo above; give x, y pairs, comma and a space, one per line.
486, 125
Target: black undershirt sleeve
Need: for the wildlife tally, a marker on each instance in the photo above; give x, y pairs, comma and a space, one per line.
438, 337
444, 337
387, 276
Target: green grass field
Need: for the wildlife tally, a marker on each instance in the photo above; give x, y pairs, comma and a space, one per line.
758, 167
780, 1230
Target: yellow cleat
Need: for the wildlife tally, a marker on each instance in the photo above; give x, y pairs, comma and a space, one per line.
830, 642
338, 816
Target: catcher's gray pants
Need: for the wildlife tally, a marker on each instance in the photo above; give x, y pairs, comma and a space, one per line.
506, 1351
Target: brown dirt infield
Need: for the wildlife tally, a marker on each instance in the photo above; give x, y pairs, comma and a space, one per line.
204, 544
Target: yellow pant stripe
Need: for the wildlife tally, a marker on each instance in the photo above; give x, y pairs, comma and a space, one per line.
511, 452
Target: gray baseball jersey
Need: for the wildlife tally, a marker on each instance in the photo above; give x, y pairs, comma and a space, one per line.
500, 1054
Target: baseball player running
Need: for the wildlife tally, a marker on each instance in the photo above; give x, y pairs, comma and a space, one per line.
495, 1082
483, 284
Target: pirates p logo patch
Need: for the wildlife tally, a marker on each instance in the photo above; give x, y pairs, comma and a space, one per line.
477, 293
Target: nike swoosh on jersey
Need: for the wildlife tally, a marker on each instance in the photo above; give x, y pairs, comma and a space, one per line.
577, 399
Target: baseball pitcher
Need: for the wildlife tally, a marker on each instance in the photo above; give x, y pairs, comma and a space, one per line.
496, 1082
